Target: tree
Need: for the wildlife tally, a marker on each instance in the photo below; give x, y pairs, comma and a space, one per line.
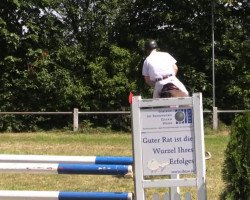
60, 54
31, 75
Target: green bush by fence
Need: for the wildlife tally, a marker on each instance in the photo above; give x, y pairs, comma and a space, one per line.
236, 171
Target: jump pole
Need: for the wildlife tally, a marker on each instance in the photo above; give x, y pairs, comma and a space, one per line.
61, 168
61, 195
106, 160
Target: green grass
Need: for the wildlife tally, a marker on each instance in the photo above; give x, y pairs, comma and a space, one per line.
108, 143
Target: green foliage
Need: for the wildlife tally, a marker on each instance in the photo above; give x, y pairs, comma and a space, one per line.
236, 172
56, 55
109, 81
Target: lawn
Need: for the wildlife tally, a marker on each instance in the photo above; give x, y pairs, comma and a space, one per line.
96, 143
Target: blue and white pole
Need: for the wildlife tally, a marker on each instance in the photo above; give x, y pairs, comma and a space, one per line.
106, 160
62, 168
54, 195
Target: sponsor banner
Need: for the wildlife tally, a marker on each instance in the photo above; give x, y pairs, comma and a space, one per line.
167, 137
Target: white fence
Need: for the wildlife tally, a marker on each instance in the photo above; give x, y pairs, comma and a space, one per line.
75, 114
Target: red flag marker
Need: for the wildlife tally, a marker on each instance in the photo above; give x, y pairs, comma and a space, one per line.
130, 97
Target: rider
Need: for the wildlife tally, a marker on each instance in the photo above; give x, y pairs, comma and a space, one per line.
159, 71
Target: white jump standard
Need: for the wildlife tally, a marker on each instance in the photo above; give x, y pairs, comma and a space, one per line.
168, 139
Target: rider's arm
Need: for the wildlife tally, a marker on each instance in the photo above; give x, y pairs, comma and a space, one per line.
175, 68
148, 81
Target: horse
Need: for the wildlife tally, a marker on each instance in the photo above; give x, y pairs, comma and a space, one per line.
170, 90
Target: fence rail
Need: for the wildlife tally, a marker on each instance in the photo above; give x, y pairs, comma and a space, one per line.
76, 114
35, 113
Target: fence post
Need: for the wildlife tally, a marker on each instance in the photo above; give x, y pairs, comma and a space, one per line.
215, 118
75, 119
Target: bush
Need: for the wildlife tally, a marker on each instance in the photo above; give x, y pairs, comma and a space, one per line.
236, 171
